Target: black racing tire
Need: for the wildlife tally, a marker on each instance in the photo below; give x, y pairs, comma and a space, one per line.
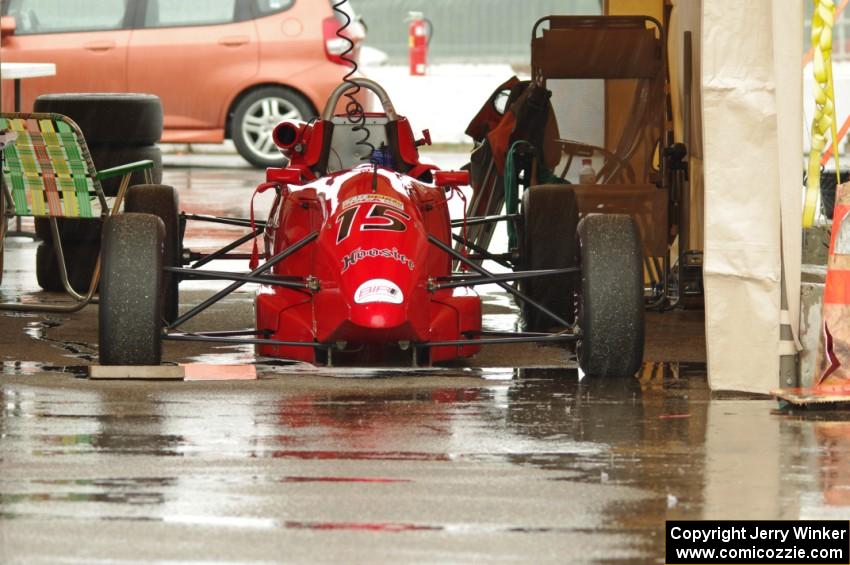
47, 269
161, 200
83, 260
2, 227
108, 156
611, 307
130, 312
80, 261
109, 118
298, 108
549, 241
73, 231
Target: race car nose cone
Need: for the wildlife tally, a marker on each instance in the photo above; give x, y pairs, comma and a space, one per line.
378, 315
377, 304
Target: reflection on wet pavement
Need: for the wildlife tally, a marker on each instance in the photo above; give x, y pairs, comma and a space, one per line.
460, 463
532, 466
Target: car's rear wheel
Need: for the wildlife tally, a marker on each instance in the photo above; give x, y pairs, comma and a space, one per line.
256, 116
161, 201
550, 218
130, 312
611, 309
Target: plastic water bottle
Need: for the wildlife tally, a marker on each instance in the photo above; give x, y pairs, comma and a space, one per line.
587, 175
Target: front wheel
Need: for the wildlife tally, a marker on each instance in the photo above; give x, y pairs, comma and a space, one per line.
611, 309
255, 118
131, 308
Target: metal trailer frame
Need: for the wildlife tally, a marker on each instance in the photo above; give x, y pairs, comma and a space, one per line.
547, 62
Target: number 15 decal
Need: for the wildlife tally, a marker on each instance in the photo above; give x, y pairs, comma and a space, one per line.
379, 218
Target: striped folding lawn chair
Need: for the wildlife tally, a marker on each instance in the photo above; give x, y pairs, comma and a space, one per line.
48, 172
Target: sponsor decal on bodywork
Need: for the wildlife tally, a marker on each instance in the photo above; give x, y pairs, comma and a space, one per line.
359, 254
378, 290
375, 198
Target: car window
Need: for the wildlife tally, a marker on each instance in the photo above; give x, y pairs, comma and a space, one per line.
266, 7
55, 16
173, 13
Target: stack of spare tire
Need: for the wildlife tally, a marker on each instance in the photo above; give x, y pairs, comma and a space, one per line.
119, 129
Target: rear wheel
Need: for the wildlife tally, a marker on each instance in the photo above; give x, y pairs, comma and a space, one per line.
161, 201
550, 218
130, 313
256, 116
611, 309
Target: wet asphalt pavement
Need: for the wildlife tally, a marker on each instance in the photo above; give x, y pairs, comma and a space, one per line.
509, 458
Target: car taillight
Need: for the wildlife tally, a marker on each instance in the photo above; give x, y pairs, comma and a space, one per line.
335, 46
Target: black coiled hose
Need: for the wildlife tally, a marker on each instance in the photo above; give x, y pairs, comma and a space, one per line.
354, 111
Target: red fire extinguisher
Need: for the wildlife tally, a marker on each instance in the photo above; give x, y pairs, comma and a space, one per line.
418, 38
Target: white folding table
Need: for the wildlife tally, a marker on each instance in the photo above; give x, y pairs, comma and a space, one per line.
20, 71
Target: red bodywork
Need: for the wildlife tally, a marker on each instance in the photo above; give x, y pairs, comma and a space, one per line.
371, 267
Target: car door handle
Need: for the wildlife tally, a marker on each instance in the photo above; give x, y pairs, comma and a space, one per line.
99, 46
233, 40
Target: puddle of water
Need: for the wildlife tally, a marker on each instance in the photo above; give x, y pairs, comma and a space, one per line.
280, 367
360, 455
79, 350
415, 455
131, 498
20, 368
33, 368
362, 527
226, 355
367, 480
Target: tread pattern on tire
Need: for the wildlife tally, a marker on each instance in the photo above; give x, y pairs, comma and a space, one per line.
161, 200
611, 312
130, 311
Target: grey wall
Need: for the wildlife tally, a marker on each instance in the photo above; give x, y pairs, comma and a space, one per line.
465, 30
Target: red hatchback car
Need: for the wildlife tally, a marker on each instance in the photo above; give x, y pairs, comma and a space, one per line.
223, 68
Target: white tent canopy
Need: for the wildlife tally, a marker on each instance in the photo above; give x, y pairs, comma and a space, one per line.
751, 84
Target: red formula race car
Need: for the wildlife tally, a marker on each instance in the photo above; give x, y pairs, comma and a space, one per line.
359, 259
